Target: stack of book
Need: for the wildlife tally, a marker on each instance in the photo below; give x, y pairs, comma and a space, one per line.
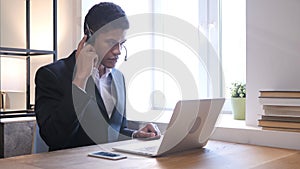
281, 110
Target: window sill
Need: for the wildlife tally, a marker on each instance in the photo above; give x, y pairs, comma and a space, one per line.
227, 121
228, 129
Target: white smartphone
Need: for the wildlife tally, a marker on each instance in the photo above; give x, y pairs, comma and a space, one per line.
107, 155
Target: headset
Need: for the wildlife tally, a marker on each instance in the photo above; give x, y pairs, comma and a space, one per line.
89, 34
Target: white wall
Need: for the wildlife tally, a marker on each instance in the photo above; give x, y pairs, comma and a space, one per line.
273, 49
12, 32
68, 31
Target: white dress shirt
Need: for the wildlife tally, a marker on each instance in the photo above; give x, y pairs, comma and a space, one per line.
103, 84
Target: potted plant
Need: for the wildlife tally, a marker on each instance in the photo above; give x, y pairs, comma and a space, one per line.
238, 100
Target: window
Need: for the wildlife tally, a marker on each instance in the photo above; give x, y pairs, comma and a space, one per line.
163, 67
233, 40
199, 65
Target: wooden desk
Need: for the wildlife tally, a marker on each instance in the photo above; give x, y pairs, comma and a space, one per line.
216, 155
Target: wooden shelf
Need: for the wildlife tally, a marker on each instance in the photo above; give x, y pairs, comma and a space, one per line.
27, 52
9, 113
24, 52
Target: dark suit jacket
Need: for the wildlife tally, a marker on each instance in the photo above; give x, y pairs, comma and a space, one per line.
69, 117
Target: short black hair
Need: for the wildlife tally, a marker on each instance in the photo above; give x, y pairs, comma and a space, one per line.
105, 14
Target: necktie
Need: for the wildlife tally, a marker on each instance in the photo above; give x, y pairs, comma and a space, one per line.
108, 99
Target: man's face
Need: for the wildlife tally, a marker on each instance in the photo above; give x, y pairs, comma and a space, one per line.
108, 46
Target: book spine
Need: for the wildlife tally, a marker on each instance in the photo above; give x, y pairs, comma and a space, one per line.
279, 101
280, 94
281, 113
280, 118
266, 123
281, 129
281, 108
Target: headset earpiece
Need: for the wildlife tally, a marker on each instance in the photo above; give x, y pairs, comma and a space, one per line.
88, 32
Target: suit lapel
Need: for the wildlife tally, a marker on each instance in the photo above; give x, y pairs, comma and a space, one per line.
119, 109
93, 91
117, 115
117, 92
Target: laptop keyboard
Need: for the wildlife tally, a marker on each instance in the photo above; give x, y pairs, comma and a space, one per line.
149, 149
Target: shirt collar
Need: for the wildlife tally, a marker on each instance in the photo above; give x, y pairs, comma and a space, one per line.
95, 73
107, 72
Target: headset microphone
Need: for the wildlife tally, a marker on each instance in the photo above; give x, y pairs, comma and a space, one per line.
125, 59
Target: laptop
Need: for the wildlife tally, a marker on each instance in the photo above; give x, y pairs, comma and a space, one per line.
190, 127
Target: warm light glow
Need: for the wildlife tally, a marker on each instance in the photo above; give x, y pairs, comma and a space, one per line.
13, 74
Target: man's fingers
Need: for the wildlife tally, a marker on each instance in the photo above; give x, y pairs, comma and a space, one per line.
81, 44
143, 134
87, 50
149, 131
150, 127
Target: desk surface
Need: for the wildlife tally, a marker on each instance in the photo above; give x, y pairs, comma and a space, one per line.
214, 155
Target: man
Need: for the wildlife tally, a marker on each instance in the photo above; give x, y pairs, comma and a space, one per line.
80, 100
